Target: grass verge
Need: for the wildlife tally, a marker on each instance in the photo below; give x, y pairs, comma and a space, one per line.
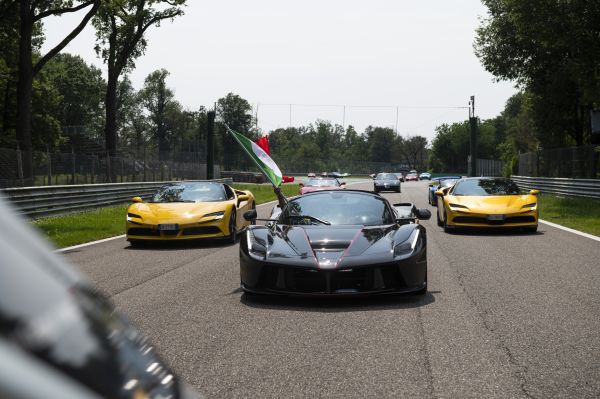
96, 224
581, 214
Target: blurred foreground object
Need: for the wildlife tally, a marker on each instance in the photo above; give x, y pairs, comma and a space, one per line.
60, 338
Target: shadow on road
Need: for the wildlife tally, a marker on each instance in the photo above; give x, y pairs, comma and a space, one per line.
177, 245
494, 232
336, 305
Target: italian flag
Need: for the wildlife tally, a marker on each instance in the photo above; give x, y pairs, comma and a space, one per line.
264, 162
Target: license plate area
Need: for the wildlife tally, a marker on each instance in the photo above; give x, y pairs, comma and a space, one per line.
496, 218
168, 227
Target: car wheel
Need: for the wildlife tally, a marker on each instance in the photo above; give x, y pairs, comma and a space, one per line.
253, 207
423, 290
232, 229
439, 220
531, 229
446, 227
136, 244
376, 190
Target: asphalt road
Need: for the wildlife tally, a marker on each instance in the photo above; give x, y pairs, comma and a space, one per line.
508, 315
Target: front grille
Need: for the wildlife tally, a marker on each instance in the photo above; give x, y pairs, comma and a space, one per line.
520, 219
480, 220
143, 231
331, 281
170, 233
197, 231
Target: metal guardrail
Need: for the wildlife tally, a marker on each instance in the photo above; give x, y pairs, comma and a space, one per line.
588, 188
35, 202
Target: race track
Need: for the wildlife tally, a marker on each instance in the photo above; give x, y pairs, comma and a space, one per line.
508, 315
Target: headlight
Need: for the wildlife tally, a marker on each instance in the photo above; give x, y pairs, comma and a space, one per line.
531, 206
132, 216
215, 215
256, 248
407, 247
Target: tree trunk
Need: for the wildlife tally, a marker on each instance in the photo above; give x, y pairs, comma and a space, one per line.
110, 128
24, 90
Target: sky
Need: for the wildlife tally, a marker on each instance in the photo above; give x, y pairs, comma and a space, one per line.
402, 64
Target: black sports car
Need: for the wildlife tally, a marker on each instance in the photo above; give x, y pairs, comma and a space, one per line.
386, 182
330, 243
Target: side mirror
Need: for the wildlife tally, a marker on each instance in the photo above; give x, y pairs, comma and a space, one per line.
243, 197
439, 193
137, 199
423, 214
301, 185
250, 215
534, 192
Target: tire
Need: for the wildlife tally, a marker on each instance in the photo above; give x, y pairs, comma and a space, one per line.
423, 290
136, 244
376, 190
531, 229
253, 222
398, 191
439, 220
232, 229
447, 228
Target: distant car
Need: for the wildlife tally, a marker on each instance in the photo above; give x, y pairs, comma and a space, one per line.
189, 210
425, 176
437, 184
491, 202
336, 243
311, 174
400, 176
411, 177
386, 182
319, 184
61, 338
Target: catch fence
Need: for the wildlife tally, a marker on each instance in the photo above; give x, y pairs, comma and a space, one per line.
572, 162
75, 168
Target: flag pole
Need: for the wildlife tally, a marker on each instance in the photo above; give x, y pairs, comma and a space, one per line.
280, 197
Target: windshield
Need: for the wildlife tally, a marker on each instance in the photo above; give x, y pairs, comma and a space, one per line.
190, 192
322, 182
485, 187
338, 208
386, 176
447, 182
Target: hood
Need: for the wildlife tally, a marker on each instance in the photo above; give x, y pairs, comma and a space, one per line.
310, 189
332, 247
175, 212
499, 204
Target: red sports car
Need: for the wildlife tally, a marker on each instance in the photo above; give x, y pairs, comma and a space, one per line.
412, 177
319, 184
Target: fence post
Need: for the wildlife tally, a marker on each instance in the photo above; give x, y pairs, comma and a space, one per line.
122, 168
49, 165
93, 169
108, 174
20, 166
72, 165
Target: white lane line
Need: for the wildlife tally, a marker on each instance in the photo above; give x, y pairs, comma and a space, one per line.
579, 233
87, 244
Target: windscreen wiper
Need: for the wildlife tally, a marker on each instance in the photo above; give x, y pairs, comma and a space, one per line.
310, 218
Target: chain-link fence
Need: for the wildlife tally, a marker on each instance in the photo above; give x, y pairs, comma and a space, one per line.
74, 168
572, 162
489, 167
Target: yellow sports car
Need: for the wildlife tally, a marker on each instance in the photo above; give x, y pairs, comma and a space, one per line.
486, 202
189, 210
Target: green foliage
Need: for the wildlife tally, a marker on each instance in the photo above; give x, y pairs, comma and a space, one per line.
551, 49
581, 214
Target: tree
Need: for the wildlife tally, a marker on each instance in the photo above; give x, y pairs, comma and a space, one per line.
414, 149
31, 14
551, 49
120, 30
236, 112
82, 88
157, 98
